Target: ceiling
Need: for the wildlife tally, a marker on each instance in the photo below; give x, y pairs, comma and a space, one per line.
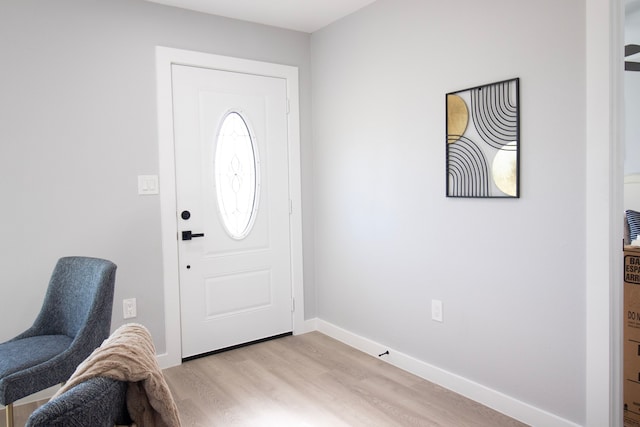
300, 15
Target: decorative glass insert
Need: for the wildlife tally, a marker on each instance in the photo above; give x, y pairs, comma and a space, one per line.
236, 175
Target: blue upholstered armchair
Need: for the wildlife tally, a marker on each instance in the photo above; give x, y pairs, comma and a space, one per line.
97, 402
74, 320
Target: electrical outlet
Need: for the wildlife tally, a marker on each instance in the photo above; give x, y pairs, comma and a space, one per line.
129, 308
436, 310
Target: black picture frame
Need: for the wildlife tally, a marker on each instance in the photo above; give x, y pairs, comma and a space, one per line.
483, 141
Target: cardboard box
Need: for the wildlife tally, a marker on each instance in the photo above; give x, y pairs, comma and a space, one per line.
631, 336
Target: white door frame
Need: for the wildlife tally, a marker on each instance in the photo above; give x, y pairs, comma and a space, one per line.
603, 252
165, 57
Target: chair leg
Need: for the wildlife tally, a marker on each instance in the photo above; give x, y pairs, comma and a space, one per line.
9, 411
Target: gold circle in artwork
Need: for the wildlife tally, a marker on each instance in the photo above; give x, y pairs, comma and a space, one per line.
505, 169
457, 118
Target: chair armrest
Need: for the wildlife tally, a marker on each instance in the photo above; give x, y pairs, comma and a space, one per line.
97, 402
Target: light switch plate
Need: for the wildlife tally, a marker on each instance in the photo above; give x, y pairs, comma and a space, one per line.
148, 184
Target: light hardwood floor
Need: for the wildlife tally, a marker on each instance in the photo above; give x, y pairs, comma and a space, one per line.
310, 380
313, 380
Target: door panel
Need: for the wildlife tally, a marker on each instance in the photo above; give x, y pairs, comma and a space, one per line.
232, 290
235, 293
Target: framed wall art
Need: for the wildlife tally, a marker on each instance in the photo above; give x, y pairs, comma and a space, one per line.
483, 141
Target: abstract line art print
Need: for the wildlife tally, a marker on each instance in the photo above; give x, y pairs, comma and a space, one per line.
483, 141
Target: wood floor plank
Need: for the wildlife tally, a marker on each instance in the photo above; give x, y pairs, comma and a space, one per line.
312, 380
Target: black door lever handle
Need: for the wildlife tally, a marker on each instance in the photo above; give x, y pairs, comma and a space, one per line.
188, 235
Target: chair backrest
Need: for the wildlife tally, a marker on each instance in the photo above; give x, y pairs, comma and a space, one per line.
79, 297
78, 304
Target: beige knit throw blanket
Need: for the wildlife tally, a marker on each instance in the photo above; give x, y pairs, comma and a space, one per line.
129, 355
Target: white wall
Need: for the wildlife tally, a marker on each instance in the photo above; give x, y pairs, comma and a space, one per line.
632, 107
511, 273
78, 124
632, 95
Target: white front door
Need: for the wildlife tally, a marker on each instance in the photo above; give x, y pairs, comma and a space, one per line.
232, 196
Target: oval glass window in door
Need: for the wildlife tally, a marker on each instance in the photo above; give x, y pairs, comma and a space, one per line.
236, 175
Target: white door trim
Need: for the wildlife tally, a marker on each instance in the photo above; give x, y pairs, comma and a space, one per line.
165, 57
603, 252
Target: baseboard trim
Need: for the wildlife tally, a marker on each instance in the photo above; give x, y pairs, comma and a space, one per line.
165, 361
309, 325
496, 400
